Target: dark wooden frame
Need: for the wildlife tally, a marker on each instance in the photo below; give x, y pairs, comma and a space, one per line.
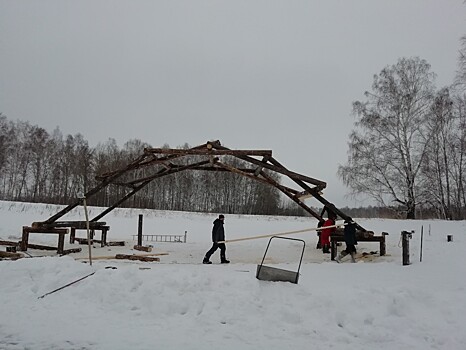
211, 156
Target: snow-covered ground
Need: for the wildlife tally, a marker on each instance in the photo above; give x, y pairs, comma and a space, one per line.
178, 303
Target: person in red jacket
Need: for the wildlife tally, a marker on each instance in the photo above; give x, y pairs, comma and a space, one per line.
326, 232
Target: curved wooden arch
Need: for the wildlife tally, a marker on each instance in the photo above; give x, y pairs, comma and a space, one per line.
211, 156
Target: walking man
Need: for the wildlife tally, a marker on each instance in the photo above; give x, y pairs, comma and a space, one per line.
218, 235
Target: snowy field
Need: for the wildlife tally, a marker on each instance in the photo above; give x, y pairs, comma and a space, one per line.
178, 303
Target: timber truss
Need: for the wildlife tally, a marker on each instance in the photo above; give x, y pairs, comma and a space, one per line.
211, 156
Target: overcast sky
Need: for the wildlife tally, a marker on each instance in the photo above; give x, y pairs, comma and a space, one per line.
279, 75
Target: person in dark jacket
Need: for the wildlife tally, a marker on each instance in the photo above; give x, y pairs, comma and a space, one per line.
218, 235
350, 240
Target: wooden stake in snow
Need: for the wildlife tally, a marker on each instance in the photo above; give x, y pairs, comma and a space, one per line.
88, 231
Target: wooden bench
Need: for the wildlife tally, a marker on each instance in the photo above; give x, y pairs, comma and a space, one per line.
360, 238
61, 232
79, 225
103, 235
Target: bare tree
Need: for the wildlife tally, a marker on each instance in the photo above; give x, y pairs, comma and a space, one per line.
458, 156
437, 166
388, 145
460, 80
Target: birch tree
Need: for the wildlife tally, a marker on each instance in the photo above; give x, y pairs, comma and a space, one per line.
388, 144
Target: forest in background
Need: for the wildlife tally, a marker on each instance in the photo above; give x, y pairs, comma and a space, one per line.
36, 166
42, 167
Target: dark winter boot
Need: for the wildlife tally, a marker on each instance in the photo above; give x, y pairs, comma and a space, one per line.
223, 258
326, 249
206, 261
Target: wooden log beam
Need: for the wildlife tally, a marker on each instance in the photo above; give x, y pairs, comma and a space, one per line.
11, 256
111, 257
152, 159
71, 251
264, 180
80, 225
168, 172
212, 152
142, 248
216, 168
136, 257
10, 243
116, 243
115, 175
291, 193
315, 193
120, 201
279, 169
294, 197
41, 247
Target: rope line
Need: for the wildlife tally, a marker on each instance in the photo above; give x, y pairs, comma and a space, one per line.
280, 233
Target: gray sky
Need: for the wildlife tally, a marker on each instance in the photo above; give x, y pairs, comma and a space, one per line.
277, 75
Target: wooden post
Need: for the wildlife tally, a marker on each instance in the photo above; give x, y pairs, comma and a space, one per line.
422, 238
61, 243
140, 230
383, 246
24, 239
405, 237
72, 235
103, 241
88, 231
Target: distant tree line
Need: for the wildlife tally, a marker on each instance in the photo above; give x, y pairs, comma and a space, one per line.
36, 166
408, 148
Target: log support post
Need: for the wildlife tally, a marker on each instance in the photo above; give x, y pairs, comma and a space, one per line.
72, 235
405, 237
140, 230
